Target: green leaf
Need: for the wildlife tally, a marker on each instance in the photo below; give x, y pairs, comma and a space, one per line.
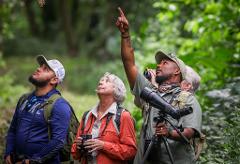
238, 36
213, 8
192, 26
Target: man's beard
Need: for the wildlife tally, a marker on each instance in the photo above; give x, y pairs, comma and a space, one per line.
38, 83
161, 79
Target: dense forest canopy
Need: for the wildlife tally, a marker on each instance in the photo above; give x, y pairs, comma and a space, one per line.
204, 33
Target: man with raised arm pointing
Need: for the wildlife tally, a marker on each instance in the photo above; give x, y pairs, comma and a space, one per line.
170, 71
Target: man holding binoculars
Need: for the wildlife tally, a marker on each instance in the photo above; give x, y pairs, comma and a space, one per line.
170, 71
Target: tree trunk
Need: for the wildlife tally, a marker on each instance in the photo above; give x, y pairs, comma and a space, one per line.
49, 17
31, 17
65, 14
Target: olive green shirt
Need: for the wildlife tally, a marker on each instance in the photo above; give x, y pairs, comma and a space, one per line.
182, 153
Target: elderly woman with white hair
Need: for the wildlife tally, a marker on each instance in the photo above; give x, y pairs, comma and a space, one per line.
189, 86
112, 142
192, 81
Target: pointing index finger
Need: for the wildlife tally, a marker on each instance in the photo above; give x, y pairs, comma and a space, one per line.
121, 12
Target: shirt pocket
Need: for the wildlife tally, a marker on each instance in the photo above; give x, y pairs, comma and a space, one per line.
110, 135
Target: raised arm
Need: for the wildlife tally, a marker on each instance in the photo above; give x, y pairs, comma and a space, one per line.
127, 52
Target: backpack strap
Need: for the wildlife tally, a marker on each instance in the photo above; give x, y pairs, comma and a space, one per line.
84, 120
86, 116
72, 112
22, 100
73, 122
48, 106
117, 119
109, 116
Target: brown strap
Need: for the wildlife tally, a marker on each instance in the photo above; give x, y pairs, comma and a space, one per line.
199, 146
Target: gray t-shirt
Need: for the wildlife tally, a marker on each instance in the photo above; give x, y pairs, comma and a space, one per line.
182, 153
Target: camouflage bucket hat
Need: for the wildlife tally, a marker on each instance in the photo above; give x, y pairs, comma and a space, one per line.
160, 55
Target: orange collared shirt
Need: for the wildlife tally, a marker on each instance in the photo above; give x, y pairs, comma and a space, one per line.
118, 148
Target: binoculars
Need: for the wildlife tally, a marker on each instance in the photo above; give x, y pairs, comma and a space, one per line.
147, 74
82, 149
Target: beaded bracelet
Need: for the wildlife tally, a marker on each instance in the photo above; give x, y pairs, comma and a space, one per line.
124, 37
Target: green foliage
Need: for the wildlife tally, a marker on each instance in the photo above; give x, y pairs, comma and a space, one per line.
201, 33
205, 34
9, 91
82, 73
139, 120
32, 46
6, 18
80, 102
9, 94
232, 135
91, 72
221, 123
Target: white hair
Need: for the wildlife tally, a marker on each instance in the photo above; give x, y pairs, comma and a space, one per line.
193, 78
119, 87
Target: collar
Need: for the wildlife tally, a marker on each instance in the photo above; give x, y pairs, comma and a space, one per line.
168, 88
112, 109
47, 95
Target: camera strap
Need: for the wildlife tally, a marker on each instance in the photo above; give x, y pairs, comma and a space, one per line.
109, 116
146, 121
116, 119
85, 117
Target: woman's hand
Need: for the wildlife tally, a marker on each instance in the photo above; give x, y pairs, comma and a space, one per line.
93, 145
78, 141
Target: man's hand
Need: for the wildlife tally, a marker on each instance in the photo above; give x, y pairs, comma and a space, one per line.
93, 145
153, 76
162, 130
8, 160
122, 22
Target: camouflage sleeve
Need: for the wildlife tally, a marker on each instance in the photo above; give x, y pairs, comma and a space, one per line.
193, 120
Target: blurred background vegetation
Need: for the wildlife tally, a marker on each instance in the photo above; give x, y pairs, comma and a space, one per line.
83, 36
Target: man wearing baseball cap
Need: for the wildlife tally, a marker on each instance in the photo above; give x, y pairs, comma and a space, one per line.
170, 71
28, 138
